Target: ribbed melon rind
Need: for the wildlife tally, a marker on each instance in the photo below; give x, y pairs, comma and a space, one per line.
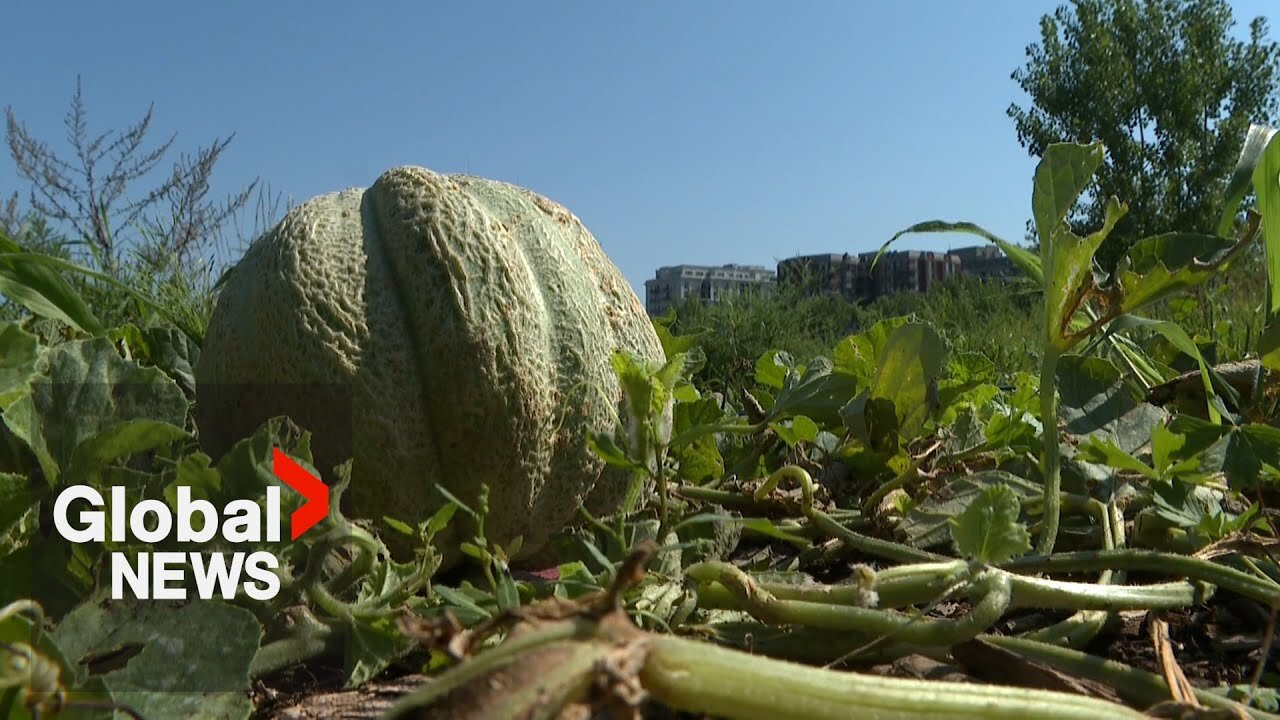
473, 321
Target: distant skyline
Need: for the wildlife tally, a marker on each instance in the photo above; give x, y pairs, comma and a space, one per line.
702, 133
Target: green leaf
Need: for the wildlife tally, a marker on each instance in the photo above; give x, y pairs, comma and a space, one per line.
874, 421
800, 429
858, 355
28, 278
818, 394
19, 353
373, 645
673, 345
908, 371
772, 368
928, 524
1256, 142
988, 531
1165, 448
1266, 183
192, 660
1244, 451
508, 594
398, 526
84, 387
1180, 340
1096, 401
1161, 266
1102, 450
119, 441
18, 495
469, 612
1062, 175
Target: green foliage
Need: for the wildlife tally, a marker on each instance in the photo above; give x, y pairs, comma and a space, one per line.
988, 530
1169, 91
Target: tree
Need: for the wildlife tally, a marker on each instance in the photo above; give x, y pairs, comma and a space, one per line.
1167, 89
92, 192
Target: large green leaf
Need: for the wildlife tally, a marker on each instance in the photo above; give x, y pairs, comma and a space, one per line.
1158, 267
180, 661
858, 354
1061, 176
84, 387
1097, 402
28, 278
908, 374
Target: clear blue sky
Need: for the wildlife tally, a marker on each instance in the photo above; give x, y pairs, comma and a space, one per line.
707, 132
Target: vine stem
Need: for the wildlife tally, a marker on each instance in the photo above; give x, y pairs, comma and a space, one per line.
1051, 468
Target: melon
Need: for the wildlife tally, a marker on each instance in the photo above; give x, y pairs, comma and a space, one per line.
440, 331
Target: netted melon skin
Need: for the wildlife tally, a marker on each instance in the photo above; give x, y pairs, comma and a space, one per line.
472, 322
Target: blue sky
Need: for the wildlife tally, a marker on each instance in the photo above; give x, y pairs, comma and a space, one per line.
708, 132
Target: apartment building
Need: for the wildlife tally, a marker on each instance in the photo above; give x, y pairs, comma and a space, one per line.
849, 275
853, 276
985, 261
672, 284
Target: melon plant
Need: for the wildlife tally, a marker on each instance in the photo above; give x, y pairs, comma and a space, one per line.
440, 330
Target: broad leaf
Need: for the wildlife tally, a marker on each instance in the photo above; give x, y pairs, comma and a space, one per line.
189, 661
83, 388
1161, 266
908, 373
988, 531
1096, 401
928, 524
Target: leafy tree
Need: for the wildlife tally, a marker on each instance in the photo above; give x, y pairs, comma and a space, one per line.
1169, 90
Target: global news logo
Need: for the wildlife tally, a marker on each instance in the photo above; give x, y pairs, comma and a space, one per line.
162, 575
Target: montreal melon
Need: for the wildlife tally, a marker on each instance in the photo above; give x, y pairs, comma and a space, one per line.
439, 330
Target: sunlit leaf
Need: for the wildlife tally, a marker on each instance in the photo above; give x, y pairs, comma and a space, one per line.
988, 531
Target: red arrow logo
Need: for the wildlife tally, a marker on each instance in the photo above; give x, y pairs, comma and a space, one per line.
309, 486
